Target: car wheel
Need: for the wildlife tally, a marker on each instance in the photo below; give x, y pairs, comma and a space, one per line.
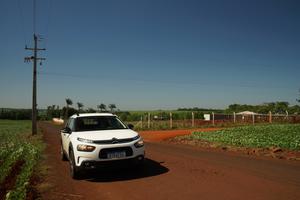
74, 170
139, 162
63, 156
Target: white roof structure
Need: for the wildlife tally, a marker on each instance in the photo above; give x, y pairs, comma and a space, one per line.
246, 113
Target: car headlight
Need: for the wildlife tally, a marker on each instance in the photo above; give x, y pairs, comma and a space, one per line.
83, 147
139, 144
136, 137
85, 140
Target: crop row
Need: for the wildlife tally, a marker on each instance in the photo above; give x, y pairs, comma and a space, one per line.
285, 136
30, 157
17, 145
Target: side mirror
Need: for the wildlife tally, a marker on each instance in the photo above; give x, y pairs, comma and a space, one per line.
67, 130
130, 126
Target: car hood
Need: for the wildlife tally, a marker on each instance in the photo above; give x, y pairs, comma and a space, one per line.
107, 134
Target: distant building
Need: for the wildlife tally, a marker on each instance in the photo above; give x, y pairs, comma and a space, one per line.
244, 113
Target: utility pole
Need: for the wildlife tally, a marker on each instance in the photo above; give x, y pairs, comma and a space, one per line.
35, 59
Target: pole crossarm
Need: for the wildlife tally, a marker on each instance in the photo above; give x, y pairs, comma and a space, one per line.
31, 58
38, 49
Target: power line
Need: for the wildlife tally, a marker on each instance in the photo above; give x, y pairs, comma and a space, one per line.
34, 17
48, 23
22, 20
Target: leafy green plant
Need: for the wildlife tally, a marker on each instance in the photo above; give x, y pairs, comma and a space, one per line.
17, 144
8, 163
31, 157
286, 136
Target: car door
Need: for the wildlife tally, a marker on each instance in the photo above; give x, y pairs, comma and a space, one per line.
66, 136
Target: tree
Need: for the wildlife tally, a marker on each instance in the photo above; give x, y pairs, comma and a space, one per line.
102, 107
69, 102
112, 107
79, 105
234, 107
263, 108
49, 112
71, 111
298, 100
281, 107
294, 110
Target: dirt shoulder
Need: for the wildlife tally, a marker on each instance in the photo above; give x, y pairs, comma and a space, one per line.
171, 137
156, 136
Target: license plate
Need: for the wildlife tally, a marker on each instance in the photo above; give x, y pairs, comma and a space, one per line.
118, 154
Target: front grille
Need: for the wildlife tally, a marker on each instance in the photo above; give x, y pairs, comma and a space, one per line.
103, 152
116, 140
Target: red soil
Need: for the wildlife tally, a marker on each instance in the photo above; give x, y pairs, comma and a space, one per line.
155, 136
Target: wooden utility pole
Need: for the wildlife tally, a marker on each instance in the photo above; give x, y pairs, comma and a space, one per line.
35, 59
149, 116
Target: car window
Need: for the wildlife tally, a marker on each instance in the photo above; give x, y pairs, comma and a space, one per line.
98, 123
72, 124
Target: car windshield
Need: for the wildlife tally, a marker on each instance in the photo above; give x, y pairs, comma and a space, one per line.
95, 123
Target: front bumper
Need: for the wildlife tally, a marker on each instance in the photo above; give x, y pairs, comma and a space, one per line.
100, 154
92, 164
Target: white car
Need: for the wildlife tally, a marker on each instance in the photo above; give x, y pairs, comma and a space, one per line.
90, 139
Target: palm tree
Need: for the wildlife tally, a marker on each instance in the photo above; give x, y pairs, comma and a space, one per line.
79, 105
69, 102
102, 107
112, 107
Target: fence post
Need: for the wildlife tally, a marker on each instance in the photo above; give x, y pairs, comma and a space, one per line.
149, 115
193, 119
253, 118
213, 118
270, 117
171, 121
234, 117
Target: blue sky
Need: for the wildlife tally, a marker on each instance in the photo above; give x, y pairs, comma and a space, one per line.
144, 55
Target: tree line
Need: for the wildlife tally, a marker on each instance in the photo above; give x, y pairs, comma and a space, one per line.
280, 107
15, 114
55, 111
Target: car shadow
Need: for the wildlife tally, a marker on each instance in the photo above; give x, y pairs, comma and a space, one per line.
125, 172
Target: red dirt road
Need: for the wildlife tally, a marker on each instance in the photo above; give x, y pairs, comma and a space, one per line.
155, 136
175, 172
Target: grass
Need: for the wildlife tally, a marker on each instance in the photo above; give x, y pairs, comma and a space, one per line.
285, 136
17, 144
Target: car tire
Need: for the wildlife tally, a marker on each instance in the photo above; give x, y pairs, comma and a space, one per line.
74, 170
63, 156
139, 163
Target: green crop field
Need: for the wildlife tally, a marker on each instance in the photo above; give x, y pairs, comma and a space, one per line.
285, 136
19, 152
